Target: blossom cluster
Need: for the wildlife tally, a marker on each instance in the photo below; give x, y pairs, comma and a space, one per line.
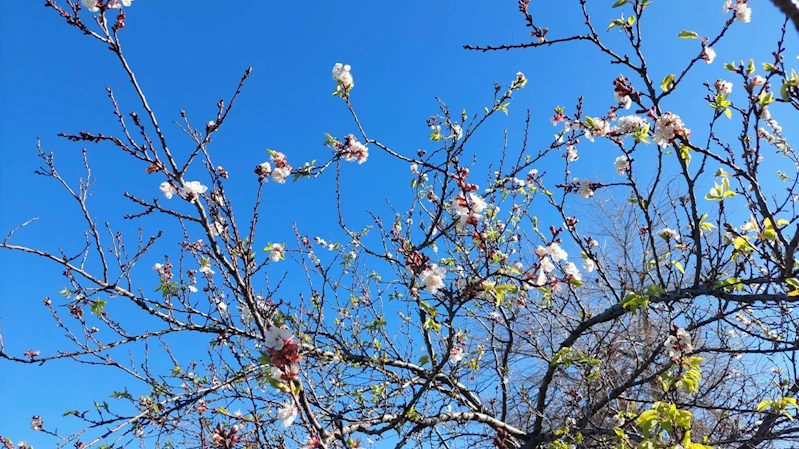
279, 173
678, 343
668, 127
468, 211
352, 150
343, 78
96, 5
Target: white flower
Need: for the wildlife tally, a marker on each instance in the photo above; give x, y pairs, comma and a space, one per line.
192, 289
679, 343
599, 128
765, 114
194, 188
571, 153
556, 252
279, 175
91, 5
456, 354
758, 80
708, 54
478, 203
622, 164
126, 3
433, 278
457, 131
669, 234
286, 414
617, 421
541, 251
571, 269
342, 75
743, 13
276, 337
206, 269
585, 189
222, 307
36, 423
354, 150
468, 212
589, 265
724, 86
629, 124
277, 252
168, 190
158, 267
623, 99
668, 127
547, 266
415, 168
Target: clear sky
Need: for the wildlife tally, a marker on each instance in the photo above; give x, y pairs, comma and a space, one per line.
188, 55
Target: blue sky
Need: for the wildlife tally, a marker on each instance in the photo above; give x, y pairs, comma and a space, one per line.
188, 55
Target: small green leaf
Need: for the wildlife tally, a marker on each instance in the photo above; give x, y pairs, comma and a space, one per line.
98, 305
619, 3
668, 82
687, 35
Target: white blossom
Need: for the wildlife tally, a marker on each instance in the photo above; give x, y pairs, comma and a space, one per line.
342, 75
276, 337
277, 253
547, 266
585, 189
279, 175
457, 131
629, 124
37, 423
758, 80
571, 153
708, 54
623, 99
556, 252
571, 269
90, 5
743, 13
589, 265
168, 190
679, 343
206, 269
456, 354
622, 164
724, 87
668, 127
433, 278
286, 414
194, 188
669, 234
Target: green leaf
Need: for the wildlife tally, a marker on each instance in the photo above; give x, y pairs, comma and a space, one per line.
98, 305
730, 66
619, 3
687, 35
679, 266
668, 82
728, 113
424, 360
615, 23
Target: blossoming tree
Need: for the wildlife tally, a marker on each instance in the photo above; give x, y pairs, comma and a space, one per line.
661, 316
